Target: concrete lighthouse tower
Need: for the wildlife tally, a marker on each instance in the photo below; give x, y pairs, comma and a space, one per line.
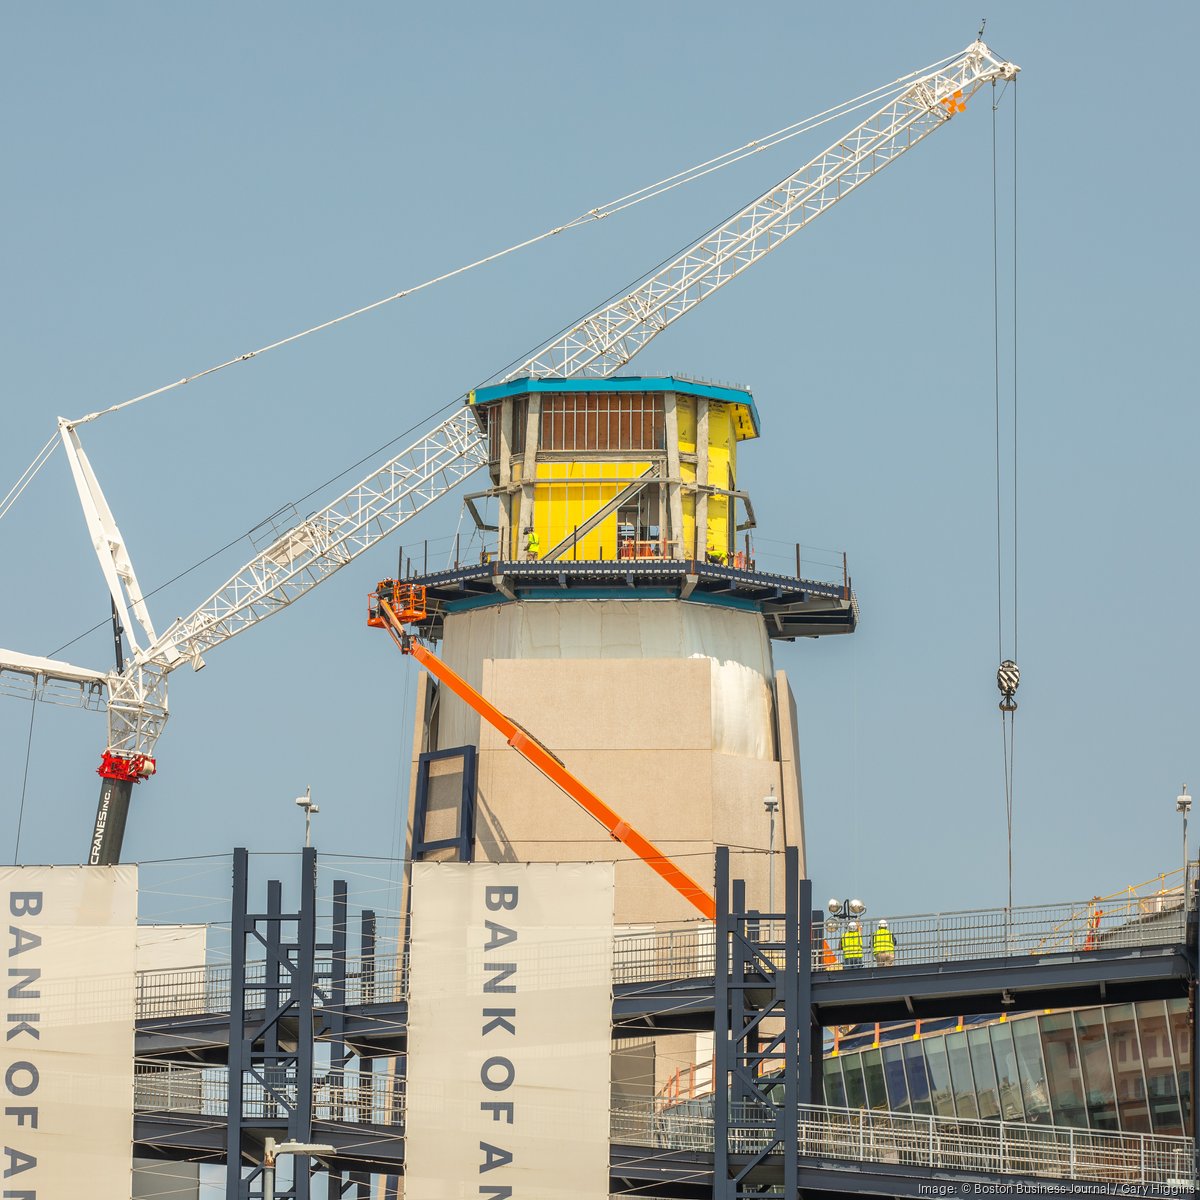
624, 623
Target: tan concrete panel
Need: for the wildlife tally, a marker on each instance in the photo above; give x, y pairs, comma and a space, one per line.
642, 896
789, 753
739, 786
653, 704
661, 794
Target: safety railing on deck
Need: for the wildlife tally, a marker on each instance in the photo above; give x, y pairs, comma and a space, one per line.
1017, 932
857, 1135
686, 951
346, 1097
937, 1143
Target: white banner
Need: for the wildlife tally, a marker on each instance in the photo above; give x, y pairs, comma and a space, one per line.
509, 1031
67, 1056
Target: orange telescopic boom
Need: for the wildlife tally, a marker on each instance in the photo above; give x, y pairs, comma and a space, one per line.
394, 605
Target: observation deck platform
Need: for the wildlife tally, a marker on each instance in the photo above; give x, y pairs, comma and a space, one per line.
792, 607
967, 962
976, 961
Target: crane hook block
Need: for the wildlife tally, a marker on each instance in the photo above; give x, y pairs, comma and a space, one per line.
1008, 679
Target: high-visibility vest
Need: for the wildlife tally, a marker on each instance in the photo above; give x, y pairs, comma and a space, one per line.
883, 942
534, 543
852, 946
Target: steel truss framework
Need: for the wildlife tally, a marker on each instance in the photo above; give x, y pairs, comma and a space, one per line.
759, 982
607, 339
763, 994
276, 1054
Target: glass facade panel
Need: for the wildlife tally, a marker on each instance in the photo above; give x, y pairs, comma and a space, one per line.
835, 1088
1123, 1067
980, 1045
1181, 1035
939, 1076
872, 1062
1062, 1069
1032, 1070
893, 1072
1008, 1081
1125, 1051
960, 1073
918, 1078
1097, 1069
1158, 1060
856, 1093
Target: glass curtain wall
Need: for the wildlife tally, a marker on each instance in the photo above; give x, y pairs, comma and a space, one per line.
1124, 1067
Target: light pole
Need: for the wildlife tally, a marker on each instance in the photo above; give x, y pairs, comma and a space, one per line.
1183, 804
306, 803
844, 910
272, 1150
771, 804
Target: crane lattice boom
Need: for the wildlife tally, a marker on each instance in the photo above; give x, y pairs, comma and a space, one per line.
599, 345
607, 339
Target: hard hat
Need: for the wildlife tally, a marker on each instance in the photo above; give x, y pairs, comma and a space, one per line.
882, 924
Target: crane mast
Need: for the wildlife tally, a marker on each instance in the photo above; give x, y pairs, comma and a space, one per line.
454, 450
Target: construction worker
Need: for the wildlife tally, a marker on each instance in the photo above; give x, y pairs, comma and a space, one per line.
852, 945
533, 544
883, 945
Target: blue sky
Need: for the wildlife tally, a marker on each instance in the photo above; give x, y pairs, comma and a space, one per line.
187, 183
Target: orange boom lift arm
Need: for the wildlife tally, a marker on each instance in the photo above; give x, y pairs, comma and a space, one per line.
392, 606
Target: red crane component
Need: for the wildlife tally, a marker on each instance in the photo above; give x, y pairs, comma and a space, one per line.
383, 613
132, 769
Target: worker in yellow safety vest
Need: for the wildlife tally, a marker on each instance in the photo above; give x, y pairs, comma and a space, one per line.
883, 945
533, 544
852, 945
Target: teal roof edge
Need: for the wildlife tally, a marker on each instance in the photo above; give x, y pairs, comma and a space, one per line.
622, 383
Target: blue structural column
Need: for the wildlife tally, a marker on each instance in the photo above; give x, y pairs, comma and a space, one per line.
274, 1065
722, 1026
237, 1023
763, 992
1191, 908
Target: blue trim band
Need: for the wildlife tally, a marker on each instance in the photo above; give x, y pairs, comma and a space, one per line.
622, 383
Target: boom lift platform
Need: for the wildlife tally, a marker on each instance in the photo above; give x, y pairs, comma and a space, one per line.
392, 606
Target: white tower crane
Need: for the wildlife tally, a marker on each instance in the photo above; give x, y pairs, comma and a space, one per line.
313, 549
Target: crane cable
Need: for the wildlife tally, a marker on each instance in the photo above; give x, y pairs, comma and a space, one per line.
1008, 676
600, 212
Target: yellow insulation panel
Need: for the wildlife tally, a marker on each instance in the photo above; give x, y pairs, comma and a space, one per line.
567, 493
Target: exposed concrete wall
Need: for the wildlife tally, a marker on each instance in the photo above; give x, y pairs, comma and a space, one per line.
789, 754
671, 712
640, 734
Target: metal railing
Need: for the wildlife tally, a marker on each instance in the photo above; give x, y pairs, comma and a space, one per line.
686, 950
857, 1135
1068, 928
344, 1097
936, 1143
191, 991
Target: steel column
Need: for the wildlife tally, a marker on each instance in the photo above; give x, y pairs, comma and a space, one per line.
763, 988
237, 1024
258, 1053
722, 1024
